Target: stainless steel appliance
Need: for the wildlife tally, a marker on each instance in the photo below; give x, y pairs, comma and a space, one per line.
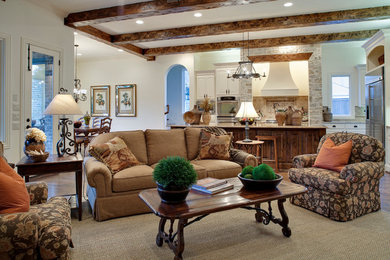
227, 108
375, 105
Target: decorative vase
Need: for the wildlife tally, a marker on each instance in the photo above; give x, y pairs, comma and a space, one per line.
297, 118
87, 118
289, 114
172, 195
32, 145
198, 114
280, 116
206, 117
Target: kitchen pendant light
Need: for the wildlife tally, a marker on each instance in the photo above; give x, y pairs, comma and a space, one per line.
245, 67
78, 93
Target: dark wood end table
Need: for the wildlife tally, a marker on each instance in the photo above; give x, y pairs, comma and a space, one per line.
198, 205
55, 164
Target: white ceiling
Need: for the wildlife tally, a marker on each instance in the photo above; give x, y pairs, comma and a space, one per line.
218, 15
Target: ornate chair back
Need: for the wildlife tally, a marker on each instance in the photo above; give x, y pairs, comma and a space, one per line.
96, 122
105, 125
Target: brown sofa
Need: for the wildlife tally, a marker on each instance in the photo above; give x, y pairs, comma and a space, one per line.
116, 195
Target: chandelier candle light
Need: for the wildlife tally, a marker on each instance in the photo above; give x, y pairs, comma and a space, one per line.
245, 67
63, 104
247, 111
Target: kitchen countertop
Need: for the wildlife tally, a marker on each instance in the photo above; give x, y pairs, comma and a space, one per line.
258, 125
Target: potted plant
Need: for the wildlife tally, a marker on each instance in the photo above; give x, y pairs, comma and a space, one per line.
174, 177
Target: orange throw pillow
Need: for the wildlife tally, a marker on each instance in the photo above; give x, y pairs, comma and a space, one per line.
333, 157
13, 192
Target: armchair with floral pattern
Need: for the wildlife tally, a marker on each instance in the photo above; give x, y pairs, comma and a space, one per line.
346, 195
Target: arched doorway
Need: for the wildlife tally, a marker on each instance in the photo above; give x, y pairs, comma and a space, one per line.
178, 94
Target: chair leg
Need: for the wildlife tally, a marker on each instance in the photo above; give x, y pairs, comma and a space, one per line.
276, 156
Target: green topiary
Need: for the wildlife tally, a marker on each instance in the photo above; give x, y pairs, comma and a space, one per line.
248, 176
247, 170
175, 172
263, 172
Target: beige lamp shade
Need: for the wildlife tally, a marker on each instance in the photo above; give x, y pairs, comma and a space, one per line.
63, 104
246, 110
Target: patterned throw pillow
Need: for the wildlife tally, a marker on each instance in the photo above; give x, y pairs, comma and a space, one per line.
214, 146
114, 154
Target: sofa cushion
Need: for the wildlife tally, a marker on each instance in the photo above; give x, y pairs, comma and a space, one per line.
13, 193
321, 179
114, 154
219, 169
333, 157
133, 178
164, 143
135, 140
200, 171
192, 141
214, 146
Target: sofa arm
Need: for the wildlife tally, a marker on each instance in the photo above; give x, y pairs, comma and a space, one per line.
362, 171
243, 158
98, 176
19, 235
304, 160
37, 192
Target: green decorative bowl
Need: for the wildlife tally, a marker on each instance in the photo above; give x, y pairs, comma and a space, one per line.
260, 184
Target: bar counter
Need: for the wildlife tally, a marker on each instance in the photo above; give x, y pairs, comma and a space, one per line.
291, 140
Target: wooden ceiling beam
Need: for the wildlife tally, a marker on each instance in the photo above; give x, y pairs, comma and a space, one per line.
146, 9
281, 57
103, 37
346, 16
264, 43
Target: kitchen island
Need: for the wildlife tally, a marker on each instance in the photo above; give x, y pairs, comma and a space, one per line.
291, 140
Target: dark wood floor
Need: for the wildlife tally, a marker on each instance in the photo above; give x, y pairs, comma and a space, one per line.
64, 183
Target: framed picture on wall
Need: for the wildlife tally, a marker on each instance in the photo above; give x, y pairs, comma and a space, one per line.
100, 100
126, 100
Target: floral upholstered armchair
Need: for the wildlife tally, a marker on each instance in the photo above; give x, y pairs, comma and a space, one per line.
346, 195
44, 232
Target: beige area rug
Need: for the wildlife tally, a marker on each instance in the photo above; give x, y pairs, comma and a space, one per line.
235, 234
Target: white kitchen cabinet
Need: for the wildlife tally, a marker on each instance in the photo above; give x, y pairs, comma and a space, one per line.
205, 85
225, 86
359, 127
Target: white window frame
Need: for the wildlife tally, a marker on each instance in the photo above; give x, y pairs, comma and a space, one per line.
351, 103
5, 90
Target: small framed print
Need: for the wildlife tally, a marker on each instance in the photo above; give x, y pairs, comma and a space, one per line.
126, 100
100, 100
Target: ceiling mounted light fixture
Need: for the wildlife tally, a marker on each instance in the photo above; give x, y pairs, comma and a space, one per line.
288, 4
198, 14
245, 68
78, 93
139, 22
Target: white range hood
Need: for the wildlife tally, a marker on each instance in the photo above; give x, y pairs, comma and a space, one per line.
279, 81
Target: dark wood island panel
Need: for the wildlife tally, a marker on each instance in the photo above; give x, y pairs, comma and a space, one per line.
291, 140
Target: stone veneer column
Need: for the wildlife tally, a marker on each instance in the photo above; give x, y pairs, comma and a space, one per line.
315, 77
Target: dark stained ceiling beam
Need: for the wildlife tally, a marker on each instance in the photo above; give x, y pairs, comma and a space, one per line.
346, 16
146, 9
103, 37
281, 57
264, 43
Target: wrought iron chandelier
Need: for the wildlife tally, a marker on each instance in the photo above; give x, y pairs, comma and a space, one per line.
245, 68
78, 93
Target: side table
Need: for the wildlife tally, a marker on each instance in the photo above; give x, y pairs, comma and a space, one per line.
55, 164
253, 147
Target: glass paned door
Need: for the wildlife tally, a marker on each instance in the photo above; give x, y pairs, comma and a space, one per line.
40, 85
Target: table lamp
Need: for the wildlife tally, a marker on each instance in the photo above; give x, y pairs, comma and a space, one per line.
246, 111
63, 104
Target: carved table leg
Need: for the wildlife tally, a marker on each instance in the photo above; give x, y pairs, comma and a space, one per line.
179, 247
284, 223
160, 234
259, 215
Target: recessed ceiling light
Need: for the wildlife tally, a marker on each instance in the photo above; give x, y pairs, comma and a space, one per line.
75, 33
120, 50
79, 54
198, 14
288, 4
139, 22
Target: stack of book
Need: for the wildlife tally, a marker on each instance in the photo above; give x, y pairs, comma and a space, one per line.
211, 185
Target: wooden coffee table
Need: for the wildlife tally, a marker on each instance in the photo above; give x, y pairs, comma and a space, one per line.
198, 205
